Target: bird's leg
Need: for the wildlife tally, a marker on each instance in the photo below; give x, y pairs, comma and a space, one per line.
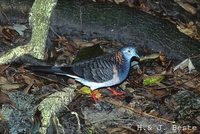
93, 95
114, 92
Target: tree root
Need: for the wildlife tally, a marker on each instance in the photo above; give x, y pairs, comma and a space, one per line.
39, 20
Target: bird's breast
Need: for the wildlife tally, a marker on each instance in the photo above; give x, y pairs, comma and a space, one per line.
123, 70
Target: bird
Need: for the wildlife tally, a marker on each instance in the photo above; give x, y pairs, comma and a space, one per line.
103, 71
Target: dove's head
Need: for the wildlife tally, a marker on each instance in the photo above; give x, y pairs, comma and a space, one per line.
130, 53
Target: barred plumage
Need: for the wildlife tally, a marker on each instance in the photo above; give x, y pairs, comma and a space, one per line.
102, 71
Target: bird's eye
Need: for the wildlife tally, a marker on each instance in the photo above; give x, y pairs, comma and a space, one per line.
129, 51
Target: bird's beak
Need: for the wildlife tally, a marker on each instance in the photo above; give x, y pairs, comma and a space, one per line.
135, 58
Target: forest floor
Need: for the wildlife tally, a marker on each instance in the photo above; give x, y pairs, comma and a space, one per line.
160, 97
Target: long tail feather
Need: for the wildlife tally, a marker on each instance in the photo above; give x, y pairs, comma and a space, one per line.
49, 69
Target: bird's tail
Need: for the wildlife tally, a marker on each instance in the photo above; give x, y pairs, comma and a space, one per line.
48, 69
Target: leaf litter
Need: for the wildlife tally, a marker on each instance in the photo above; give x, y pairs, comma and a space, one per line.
157, 93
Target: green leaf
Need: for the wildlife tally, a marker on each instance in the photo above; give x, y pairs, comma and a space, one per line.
85, 90
90, 130
152, 79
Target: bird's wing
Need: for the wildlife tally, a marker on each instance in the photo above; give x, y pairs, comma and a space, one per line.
98, 70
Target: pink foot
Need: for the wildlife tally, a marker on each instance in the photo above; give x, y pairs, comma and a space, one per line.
114, 92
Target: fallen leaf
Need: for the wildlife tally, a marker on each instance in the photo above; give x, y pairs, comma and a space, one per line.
61, 40
68, 46
29, 78
119, 1
27, 89
95, 94
189, 8
189, 29
20, 28
150, 57
9, 34
121, 129
190, 84
3, 68
198, 87
159, 93
187, 63
85, 90
162, 58
11, 86
5, 99
148, 80
3, 80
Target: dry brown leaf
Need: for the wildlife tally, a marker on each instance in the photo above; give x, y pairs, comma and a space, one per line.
3, 68
5, 99
119, 1
29, 78
150, 57
162, 58
61, 40
9, 34
27, 89
11, 86
159, 93
130, 3
6, 85
3, 80
121, 130
101, 42
68, 46
188, 7
190, 84
198, 87
82, 43
153, 112
189, 29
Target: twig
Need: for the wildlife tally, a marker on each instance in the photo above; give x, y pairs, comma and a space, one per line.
77, 117
5, 16
6, 67
29, 87
42, 96
78, 120
51, 28
195, 56
101, 120
111, 101
55, 123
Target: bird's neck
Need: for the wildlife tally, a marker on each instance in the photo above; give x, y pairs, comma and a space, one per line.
121, 60
123, 65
